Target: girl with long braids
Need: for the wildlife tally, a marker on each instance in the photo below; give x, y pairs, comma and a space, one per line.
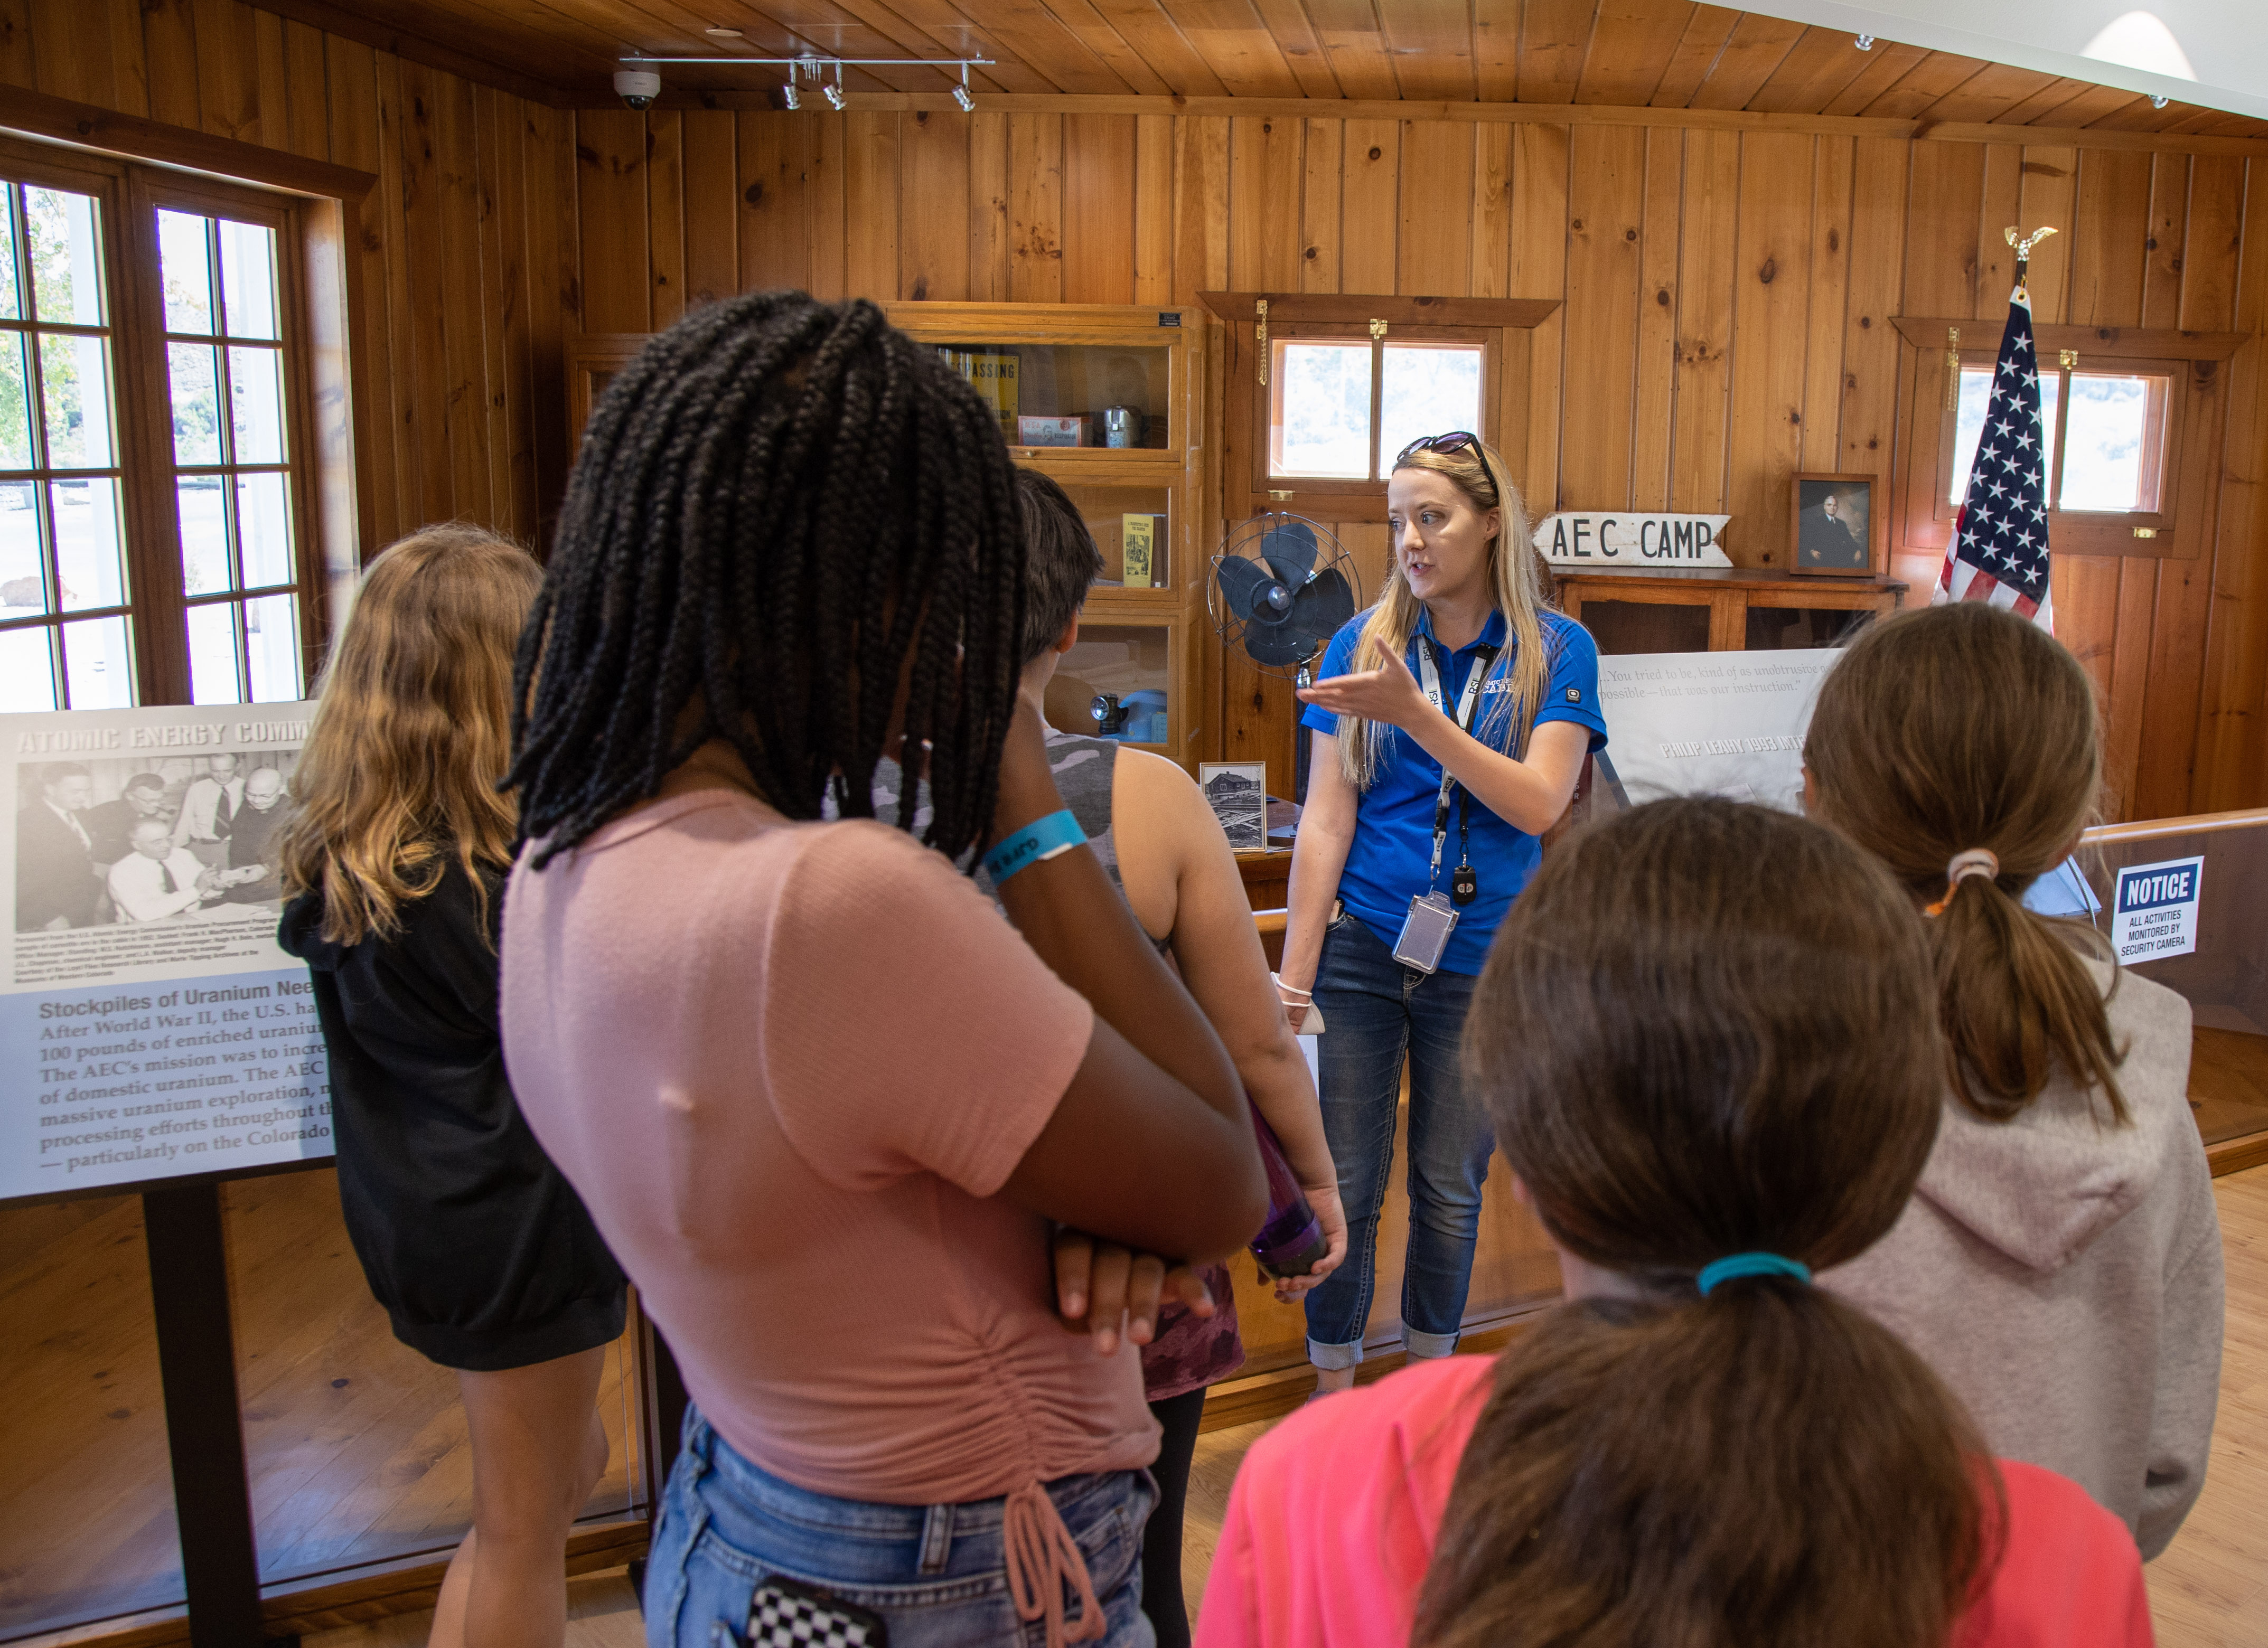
820, 1098
2060, 1262
1450, 723
1708, 1036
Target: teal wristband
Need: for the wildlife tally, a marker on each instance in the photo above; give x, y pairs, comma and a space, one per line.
1038, 841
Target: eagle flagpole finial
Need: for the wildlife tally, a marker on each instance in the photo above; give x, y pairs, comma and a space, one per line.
2024, 251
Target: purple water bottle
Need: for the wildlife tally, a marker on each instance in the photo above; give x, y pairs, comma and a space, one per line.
1291, 1243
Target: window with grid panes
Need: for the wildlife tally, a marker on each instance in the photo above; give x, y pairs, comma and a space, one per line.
231, 457
154, 520
65, 640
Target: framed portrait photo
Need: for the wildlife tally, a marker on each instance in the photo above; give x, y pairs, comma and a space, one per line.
1831, 523
1237, 792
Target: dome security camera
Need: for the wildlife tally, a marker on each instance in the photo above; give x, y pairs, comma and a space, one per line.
636, 87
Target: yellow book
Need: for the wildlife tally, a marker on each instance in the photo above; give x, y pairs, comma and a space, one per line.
1137, 538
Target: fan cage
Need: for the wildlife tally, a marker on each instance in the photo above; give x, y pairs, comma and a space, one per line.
1242, 543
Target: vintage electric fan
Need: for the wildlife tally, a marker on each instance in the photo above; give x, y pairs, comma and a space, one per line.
1281, 587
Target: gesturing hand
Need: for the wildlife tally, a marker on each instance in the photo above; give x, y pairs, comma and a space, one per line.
1099, 1285
1388, 693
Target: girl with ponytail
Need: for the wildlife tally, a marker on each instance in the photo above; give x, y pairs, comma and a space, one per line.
1706, 1036
2060, 1263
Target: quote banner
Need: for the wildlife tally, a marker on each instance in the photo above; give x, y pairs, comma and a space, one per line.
149, 1026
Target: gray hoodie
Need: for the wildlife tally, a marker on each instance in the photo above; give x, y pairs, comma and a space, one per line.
2063, 1276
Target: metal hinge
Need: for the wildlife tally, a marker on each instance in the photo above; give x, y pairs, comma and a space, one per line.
1260, 336
1377, 329
1951, 368
2067, 358
2146, 531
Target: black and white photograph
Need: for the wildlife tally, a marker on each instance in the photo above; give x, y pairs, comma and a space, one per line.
1833, 518
1237, 792
138, 839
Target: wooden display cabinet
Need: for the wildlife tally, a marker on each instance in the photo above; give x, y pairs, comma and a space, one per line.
1719, 610
1074, 360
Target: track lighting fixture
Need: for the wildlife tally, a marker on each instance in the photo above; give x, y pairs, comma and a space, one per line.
2157, 101
815, 68
1864, 42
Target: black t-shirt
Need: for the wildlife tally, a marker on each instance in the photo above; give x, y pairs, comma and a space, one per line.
470, 1237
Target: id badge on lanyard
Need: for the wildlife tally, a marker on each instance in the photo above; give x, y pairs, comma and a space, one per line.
1433, 914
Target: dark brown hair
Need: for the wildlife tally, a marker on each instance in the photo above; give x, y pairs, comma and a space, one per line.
1706, 1029
1060, 560
1963, 726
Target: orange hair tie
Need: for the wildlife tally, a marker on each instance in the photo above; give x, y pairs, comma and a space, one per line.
1978, 861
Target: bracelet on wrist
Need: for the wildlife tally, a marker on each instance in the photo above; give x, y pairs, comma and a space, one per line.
1039, 840
1279, 984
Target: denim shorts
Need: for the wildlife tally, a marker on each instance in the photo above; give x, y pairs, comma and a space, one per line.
937, 1574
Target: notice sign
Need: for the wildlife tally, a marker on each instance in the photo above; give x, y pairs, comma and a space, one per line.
1728, 723
2154, 912
1643, 541
149, 1026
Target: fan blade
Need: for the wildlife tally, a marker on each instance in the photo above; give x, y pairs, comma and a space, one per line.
1241, 582
1289, 546
1278, 646
1321, 606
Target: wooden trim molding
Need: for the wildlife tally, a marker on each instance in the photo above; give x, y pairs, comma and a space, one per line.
1524, 114
2130, 342
130, 136
1355, 308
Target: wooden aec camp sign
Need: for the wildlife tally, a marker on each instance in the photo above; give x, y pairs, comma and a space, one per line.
1645, 543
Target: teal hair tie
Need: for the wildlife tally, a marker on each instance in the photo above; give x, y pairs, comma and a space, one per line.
1747, 1264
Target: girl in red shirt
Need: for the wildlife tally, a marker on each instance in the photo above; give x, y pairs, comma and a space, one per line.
1707, 1035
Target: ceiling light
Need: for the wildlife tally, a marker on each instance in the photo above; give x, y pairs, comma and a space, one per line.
2156, 101
789, 95
967, 103
834, 96
1864, 42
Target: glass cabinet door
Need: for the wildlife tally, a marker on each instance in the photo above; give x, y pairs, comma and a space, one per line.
1133, 528
1110, 396
1116, 683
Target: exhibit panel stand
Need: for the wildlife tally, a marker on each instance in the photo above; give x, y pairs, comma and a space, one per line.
2185, 902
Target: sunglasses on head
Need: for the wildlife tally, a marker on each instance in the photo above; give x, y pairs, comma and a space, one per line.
1455, 441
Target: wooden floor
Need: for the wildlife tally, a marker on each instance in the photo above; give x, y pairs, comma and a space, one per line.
356, 1445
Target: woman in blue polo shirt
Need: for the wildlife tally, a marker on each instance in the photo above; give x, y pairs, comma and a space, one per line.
1412, 820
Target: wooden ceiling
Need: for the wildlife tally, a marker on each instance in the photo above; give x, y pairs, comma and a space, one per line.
1666, 53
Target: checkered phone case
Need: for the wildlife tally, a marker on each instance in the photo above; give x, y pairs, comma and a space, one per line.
785, 1614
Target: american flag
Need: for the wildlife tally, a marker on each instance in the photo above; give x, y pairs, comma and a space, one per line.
1999, 547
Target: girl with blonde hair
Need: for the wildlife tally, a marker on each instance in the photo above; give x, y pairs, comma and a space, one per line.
1450, 725
482, 1254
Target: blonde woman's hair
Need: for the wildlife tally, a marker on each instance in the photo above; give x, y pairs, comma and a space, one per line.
412, 732
1964, 726
1507, 717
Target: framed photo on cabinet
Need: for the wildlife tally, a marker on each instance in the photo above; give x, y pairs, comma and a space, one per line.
1830, 524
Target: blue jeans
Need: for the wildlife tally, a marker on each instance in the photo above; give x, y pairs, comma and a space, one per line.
1375, 1011
937, 1574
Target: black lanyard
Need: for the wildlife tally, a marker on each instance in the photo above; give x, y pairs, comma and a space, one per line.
1468, 701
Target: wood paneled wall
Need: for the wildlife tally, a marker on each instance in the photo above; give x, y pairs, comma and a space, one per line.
1725, 323
468, 250
1726, 292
